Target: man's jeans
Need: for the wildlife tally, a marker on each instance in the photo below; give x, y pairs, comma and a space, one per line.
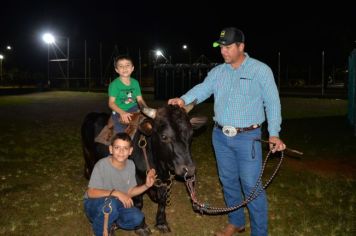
125, 218
239, 161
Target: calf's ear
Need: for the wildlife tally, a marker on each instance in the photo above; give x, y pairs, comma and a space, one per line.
146, 126
198, 121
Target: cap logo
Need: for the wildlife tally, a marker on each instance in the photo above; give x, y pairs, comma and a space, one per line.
222, 34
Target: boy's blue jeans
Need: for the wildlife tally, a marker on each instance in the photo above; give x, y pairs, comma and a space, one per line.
125, 218
118, 127
239, 161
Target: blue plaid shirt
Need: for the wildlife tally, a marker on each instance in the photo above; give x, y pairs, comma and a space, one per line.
241, 95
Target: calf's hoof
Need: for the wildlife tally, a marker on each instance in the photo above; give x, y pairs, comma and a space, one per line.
163, 228
143, 231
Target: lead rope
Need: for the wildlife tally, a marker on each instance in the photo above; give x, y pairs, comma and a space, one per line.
142, 144
107, 209
205, 208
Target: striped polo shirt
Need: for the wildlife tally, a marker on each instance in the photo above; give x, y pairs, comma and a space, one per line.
243, 96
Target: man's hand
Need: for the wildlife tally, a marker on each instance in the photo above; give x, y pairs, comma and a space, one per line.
176, 101
276, 144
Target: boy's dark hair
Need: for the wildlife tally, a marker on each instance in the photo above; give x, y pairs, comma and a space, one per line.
122, 57
123, 136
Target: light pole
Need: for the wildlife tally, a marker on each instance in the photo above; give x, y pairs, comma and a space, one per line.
67, 62
159, 53
48, 38
66, 58
186, 48
1, 58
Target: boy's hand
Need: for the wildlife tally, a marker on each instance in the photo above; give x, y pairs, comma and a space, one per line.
125, 117
150, 178
124, 198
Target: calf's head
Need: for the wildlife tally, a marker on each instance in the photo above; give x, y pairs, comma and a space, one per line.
172, 132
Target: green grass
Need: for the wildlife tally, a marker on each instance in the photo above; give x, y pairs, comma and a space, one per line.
312, 107
42, 184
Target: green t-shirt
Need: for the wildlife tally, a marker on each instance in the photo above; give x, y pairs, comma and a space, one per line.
125, 95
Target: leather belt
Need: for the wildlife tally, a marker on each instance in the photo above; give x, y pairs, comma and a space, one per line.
227, 129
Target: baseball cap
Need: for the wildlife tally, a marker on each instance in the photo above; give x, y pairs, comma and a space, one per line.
229, 36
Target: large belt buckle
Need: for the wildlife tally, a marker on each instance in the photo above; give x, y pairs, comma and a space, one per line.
229, 131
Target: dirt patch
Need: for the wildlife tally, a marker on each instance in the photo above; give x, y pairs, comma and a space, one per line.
325, 168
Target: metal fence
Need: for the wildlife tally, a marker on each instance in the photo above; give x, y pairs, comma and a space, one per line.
174, 80
318, 72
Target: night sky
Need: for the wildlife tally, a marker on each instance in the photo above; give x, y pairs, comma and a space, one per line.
294, 28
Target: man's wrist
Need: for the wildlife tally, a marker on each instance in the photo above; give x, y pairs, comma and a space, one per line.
273, 134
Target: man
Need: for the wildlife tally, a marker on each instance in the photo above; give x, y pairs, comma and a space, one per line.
244, 91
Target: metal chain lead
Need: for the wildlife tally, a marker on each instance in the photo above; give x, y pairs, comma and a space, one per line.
159, 183
204, 208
